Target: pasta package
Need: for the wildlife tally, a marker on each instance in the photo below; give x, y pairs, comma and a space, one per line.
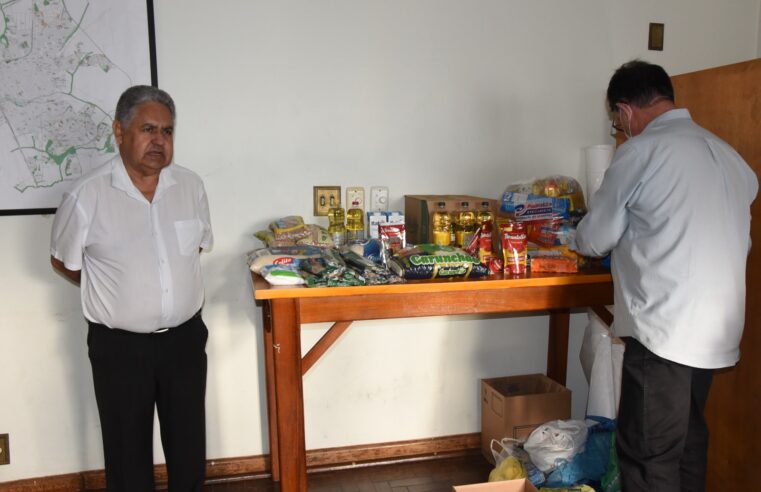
428, 261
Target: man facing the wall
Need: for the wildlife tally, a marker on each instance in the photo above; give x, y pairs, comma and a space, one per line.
130, 233
674, 211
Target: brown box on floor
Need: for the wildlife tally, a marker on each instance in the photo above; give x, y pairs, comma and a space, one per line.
519, 485
514, 406
419, 209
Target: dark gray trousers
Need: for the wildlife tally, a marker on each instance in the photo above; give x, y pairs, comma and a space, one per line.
662, 437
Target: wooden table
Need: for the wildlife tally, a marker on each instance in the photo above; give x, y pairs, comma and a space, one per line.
286, 308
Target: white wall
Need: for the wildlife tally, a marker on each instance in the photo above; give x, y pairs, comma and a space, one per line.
436, 96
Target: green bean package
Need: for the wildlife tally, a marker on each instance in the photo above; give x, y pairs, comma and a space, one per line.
427, 261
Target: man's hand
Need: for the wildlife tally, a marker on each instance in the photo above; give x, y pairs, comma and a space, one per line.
73, 275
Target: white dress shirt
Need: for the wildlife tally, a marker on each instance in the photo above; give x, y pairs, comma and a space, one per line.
140, 260
674, 211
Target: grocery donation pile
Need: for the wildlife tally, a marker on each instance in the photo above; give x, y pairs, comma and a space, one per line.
533, 230
562, 455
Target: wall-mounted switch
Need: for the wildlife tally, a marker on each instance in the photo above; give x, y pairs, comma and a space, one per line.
325, 198
378, 198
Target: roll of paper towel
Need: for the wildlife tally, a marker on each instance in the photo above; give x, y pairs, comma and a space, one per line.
598, 159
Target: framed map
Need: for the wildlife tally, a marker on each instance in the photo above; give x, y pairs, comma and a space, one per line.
63, 65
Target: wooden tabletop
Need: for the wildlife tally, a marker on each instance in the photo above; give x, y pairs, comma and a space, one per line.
265, 291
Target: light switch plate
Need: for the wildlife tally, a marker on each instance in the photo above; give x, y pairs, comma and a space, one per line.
355, 197
378, 198
326, 197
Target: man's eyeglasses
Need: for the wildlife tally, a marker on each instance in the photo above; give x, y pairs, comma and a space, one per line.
615, 124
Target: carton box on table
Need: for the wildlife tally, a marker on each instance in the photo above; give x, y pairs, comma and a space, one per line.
519, 485
514, 406
419, 209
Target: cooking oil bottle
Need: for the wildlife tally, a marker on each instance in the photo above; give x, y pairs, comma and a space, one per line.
337, 228
465, 227
442, 225
355, 225
484, 214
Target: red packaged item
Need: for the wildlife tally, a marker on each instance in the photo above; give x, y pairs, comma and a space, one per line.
514, 247
393, 238
554, 264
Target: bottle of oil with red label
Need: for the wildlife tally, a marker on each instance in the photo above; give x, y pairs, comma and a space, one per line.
465, 226
442, 225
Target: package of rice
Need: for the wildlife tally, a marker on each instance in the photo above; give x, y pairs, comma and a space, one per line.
282, 274
259, 258
427, 261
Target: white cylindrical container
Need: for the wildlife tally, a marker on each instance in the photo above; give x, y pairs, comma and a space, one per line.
597, 159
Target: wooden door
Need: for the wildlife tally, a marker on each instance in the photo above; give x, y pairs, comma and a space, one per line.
727, 101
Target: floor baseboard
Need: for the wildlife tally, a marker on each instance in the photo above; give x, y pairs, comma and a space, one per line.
228, 469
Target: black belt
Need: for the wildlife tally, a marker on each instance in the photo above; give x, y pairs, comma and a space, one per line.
164, 330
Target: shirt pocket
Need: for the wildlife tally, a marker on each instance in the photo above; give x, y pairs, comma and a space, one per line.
189, 234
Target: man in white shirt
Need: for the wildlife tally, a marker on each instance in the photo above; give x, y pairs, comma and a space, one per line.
130, 233
674, 212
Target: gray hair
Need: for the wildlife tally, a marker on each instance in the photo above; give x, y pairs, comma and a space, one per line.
137, 95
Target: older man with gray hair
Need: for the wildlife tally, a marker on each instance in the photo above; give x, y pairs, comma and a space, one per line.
130, 234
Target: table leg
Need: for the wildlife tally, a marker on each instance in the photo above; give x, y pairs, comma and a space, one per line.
286, 345
557, 346
269, 369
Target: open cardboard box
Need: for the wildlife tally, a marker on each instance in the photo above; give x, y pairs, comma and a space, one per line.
519, 485
513, 406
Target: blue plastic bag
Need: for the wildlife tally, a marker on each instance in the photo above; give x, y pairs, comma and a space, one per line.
591, 464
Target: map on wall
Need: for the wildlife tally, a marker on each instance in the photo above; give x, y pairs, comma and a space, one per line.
63, 65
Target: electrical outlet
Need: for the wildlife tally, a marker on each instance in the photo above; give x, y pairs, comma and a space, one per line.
5, 451
355, 197
325, 198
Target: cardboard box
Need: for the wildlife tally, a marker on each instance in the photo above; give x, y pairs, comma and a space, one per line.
514, 406
419, 209
519, 485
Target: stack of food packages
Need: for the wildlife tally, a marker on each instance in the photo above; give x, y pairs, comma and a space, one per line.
534, 229
537, 225
297, 253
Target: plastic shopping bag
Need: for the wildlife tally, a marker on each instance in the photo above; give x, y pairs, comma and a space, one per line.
556, 442
512, 448
602, 355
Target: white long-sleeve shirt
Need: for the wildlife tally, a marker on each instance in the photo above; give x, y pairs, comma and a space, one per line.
674, 212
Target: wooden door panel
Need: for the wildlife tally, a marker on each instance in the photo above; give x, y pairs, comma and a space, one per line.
727, 101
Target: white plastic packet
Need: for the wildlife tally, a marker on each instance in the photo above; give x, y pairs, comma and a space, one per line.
555, 442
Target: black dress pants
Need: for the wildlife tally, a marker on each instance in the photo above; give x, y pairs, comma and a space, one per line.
135, 373
662, 438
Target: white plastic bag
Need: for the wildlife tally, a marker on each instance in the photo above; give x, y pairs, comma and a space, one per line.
555, 442
602, 355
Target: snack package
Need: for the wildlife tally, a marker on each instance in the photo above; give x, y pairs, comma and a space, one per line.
289, 228
373, 273
427, 261
514, 247
259, 258
393, 238
318, 236
269, 240
329, 270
